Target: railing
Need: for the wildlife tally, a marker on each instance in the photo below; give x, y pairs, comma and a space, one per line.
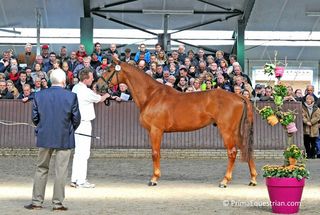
118, 126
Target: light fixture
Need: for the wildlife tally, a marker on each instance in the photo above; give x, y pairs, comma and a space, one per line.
313, 13
173, 12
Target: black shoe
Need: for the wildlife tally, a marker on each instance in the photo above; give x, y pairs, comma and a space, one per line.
61, 208
32, 207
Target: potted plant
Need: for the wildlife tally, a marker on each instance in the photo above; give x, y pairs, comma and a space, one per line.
284, 182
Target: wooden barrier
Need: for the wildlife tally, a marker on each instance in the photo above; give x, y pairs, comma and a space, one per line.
119, 128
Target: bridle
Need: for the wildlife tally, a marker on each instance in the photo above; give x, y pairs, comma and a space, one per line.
107, 81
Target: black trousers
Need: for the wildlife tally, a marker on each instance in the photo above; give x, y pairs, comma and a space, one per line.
310, 145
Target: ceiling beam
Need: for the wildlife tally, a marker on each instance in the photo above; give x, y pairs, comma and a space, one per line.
205, 23
124, 23
86, 8
218, 6
195, 12
112, 5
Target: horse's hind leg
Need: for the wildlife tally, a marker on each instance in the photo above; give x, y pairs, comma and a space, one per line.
155, 137
229, 142
253, 172
232, 154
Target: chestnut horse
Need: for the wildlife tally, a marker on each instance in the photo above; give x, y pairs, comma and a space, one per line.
162, 109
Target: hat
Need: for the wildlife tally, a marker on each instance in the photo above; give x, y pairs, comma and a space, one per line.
45, 46
258, 86
127, 50
183, 67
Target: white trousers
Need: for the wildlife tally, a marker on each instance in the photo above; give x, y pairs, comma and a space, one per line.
81, 153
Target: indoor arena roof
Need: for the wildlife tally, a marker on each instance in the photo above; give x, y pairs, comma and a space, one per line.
290, 26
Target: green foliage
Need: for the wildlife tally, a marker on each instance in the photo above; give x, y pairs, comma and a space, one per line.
287, 117
280, 90
269, 69
293, 151
266, 111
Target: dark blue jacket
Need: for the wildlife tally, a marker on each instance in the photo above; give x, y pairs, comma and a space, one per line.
56, 114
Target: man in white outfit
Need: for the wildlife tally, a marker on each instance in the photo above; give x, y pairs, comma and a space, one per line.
86, 98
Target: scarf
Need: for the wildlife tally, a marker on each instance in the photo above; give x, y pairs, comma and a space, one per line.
309, 108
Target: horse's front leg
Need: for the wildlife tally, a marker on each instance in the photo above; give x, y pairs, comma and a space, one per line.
155, 138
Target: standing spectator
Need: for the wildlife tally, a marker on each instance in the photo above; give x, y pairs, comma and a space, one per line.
310, 117
37, 85
161, 58
146, 54
5, 62
63, 56
69, 74
45, 53
298, 95
81, 51
86, 98
111, 51
219, 57
122, 94
95, 61
180, 55
27, 57
49, 65
97, 50
232, 59
268, 95
85, 64
56, 114
157, 49
310, 91
4, 92
73, 62
127, 56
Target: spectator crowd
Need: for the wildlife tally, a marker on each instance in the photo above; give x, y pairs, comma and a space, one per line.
24, 74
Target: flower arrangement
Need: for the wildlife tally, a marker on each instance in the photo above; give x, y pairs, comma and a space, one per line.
299, 171
294, 157
291, 169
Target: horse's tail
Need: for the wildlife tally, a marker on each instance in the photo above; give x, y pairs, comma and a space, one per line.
246, 131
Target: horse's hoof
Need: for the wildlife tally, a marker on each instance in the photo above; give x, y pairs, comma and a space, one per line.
252, 184
222, 185
151, 183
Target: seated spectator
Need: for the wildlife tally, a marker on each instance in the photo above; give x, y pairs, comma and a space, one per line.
12, 89
111, 51
45, 53
13, 74
258, 92
122, 94
159, 72
44, 83
98, 50
4, 92
142, 65
182, 84
237, 90
219, 57
232, 59
224, 66
37, 85
269, 94
171, 80
63, 56
101, 69
222, 83
162, 58
26, 94
22, 81
2, 76
49, 65
166, 75
246, 94
196, 85
39, 60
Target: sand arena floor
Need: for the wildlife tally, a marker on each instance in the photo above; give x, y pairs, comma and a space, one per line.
186, 187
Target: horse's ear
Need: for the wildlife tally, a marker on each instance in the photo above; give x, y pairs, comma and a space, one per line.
115, 59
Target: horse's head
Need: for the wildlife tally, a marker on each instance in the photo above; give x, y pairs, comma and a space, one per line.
110, 77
